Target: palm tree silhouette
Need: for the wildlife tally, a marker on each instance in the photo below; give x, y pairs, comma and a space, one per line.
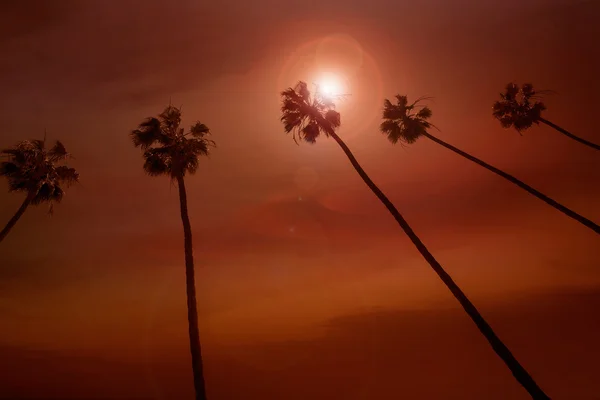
406, 123
520, 108
35, 170
307, 117
169, 150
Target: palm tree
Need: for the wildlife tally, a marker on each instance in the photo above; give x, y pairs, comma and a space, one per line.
406, 123
520, 108
35, 170
169, 150
307, 117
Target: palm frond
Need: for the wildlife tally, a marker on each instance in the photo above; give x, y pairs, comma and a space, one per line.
156, 163
400, 121
10, 152
67, 175
393, 111
418, 102
327, 102
527, 90
48, 193
392, 130
424, 113
35, 144
198, 147
310, 132
511, 91
18, 185
58, 152
199, 130
8, 169
303, 91
412, 132
170, 120
190, 163
148, 133
333, 118
401, 100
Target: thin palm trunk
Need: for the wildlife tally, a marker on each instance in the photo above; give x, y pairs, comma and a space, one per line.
569, 134
17, 215
567, 211
194, 332
500, 348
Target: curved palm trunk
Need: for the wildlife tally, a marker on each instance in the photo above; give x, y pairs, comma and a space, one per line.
500, 348
569, 134
567, 211
194, 332
17, 215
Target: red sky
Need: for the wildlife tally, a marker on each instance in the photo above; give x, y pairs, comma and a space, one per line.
307, 288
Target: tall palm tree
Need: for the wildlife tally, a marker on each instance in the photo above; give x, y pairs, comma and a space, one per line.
169, 150
307, 117
520, 108
405, 123
31, 168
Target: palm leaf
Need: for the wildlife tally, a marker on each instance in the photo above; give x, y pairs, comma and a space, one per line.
66, 175
424, 113
8, 169
155, 163
58, 152
149, 133
199, 130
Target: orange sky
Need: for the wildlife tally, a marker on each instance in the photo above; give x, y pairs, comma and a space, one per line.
307, 288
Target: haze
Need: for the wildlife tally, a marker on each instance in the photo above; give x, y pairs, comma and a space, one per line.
306, 288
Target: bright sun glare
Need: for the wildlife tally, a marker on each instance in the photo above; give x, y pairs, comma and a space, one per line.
330, 86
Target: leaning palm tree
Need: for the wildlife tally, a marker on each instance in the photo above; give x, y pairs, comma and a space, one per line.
520, 108
31, 168
169, 150
307, 117
405, 123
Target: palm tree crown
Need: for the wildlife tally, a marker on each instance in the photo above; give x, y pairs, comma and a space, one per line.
306, 116
518, 108
404, 122
168, 149
33, 169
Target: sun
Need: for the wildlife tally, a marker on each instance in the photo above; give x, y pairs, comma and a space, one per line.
330, 85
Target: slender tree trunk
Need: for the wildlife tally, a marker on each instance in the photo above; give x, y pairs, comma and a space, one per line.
569, 134
501, 350
567, 211
17, 215
194, 332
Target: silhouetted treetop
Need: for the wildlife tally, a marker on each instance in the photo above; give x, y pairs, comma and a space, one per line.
33, 169
168, 149
306, 116
519, 108
404, 121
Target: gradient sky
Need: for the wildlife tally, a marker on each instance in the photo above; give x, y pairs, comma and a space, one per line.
307, 287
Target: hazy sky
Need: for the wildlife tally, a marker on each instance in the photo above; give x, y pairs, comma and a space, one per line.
307, 288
